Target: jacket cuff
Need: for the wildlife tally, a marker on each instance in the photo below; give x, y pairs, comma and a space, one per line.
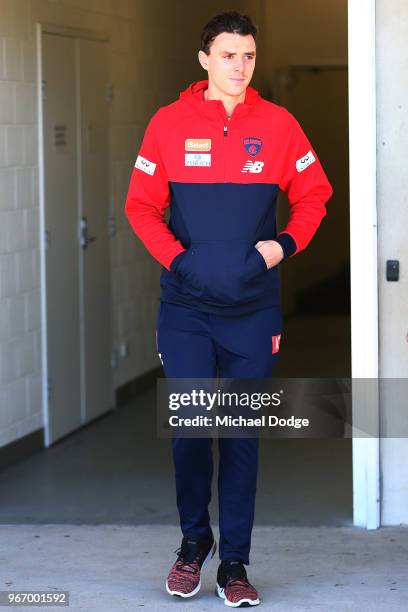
287, 243
175, 262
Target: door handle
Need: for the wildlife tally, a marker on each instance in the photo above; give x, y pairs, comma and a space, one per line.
84, 239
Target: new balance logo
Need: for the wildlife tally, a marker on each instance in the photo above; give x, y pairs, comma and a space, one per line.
253, 166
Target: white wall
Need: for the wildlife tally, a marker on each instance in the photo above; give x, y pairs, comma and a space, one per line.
392, 194
19, 254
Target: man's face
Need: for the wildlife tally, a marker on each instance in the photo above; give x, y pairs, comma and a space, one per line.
230, 63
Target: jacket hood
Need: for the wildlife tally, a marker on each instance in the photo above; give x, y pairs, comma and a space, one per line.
194, 96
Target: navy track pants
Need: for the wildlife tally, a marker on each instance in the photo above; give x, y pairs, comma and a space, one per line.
195, 344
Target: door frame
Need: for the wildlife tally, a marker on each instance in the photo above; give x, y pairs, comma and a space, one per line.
363, 241
364, 259
78, 33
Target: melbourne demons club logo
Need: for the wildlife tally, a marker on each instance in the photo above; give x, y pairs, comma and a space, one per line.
276, 343
252, 145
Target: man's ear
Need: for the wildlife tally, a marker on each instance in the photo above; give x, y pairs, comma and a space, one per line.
203, 59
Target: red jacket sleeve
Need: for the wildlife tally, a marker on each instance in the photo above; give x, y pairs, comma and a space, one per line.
307, 188
148, 197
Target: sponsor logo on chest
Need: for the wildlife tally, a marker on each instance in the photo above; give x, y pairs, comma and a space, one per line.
197, 144
197, 159
254, 167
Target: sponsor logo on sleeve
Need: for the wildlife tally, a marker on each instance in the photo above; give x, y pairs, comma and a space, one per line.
305, 161
145, 165
255, 167
197, 144
252, 145
276, 343
197, 159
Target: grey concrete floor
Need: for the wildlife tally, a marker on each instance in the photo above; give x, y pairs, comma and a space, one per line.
123, 569
116, 471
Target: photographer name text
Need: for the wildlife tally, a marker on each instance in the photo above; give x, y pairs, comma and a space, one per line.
239, 421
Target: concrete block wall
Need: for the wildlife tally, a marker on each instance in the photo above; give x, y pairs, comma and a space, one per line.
20, 326
20, 360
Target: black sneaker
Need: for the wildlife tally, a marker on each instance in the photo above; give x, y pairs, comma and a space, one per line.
233, 585
184, 578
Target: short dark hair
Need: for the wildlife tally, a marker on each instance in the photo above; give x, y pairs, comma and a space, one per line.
231, 22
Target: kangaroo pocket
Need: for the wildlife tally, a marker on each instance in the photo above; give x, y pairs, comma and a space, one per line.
224, 272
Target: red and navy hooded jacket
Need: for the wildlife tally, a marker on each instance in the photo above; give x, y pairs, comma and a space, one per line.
221, 178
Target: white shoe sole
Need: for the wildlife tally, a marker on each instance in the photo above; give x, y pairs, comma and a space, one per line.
195, 591
220, 592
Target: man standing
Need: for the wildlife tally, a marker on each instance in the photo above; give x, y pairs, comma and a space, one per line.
218, 157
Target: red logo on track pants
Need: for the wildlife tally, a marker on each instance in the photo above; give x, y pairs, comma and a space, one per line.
276, 343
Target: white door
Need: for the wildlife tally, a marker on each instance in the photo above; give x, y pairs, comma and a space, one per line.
95, 211
61, 223
75, 140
